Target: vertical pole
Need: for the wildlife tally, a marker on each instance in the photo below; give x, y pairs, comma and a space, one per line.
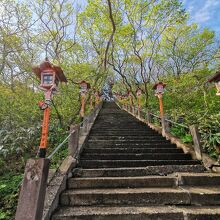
196, 141
149, 117
97, 99
44, 134
91, 102
73, 140
130, 100
82, 112
160, 97
33, 190
139, 106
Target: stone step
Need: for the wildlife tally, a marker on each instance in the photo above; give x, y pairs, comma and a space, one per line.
125, 130
126, 134
127, 141
117, 124
122, 182
132, 156
131, 150
138, 213
134, 145
172, 180
126, 138
142, 196
132, 163
137, 171
200, 179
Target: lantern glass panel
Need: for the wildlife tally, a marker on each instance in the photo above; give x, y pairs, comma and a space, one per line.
48, 79
160, 89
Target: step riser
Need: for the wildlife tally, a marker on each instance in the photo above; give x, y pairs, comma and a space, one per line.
121, 138
131, 146
139, 213
200, 180
118, 133
135, 156
133, 216
146, 171
136, 142
121, 163
181, 198
144, 182
143, 129
142, 198
131, 150
121, 183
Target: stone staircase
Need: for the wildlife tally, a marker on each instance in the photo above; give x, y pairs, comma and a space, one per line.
129, 172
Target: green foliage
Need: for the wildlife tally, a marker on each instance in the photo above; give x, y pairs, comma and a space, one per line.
181, 133
9, 186
210, 134
152, 41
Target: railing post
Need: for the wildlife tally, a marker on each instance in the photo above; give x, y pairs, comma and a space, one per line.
149, 117
133, 110
73, 140
163, 125
166, 124
139, 112
32, 194
196, 141
84, 126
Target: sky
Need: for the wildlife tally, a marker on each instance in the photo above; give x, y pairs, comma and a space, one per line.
206, 13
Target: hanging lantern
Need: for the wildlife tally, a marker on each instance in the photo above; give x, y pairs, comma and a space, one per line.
159, 88
216, 80
138, 92
84, 87
49, 74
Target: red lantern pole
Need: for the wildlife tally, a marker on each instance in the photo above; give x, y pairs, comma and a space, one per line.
159, 90
45, 124
82, 112
91, 101
50, 75
160, 97
44, 134
139, 106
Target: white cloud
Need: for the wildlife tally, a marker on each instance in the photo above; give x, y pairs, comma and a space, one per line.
205, 13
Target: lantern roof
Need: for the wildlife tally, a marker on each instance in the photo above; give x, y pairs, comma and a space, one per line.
215, 78
45, 65
139, 89
83, 82
159, 83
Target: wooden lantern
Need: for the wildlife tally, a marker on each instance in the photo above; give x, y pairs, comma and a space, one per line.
216, 80
159, 88
49, 74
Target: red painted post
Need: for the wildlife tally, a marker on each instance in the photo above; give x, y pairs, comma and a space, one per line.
44, 134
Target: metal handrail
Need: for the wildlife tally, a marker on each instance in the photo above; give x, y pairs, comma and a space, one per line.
173, 122
60, 145
65, 140
158, 117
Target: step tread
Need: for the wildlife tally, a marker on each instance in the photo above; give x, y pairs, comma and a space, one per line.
152, 190
137, 171
133, 210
